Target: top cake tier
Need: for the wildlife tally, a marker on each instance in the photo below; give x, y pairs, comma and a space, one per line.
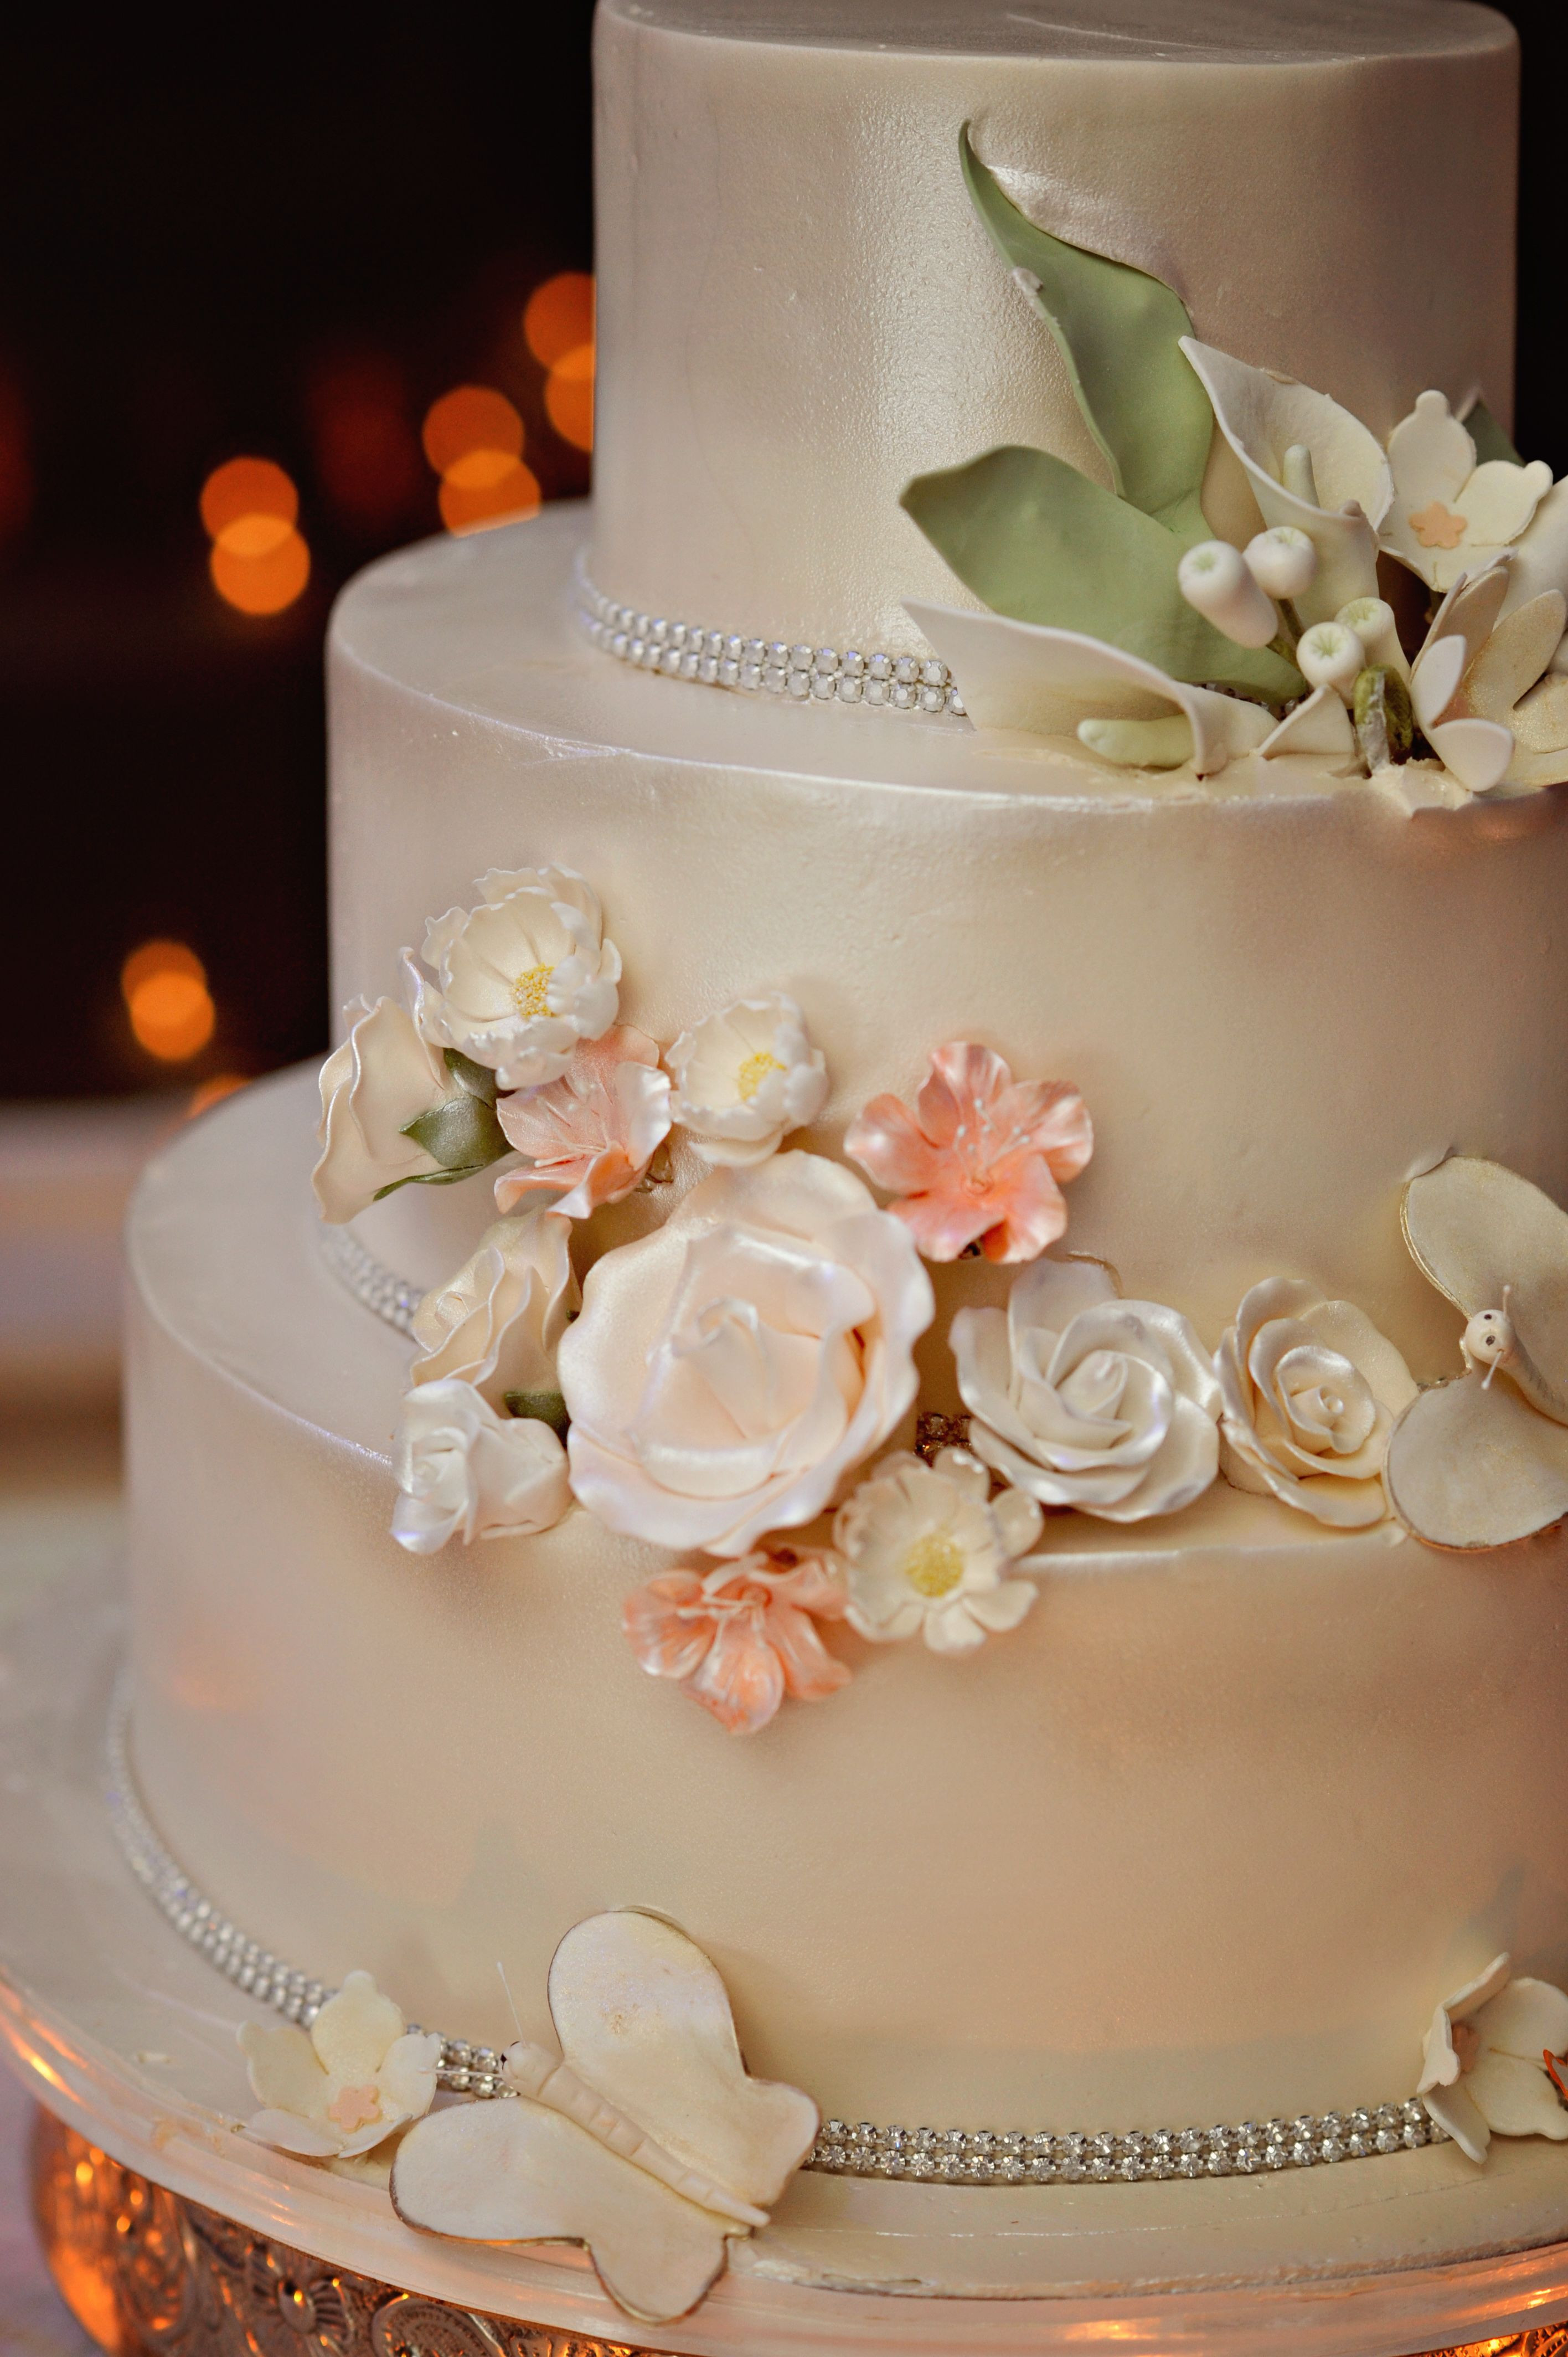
799, 311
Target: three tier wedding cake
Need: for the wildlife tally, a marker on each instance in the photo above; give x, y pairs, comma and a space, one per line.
916, 1430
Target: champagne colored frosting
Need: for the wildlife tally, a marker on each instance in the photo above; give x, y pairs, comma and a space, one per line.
798, 311
1207, 1838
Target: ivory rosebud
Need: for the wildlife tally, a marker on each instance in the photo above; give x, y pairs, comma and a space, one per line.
1283, 561
1372, 619
1214, 579
1140, 744
1331, 655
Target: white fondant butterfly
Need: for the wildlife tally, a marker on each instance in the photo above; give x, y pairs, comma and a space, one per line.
647, 2140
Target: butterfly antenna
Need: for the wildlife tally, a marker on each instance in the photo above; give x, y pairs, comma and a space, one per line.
512, 2008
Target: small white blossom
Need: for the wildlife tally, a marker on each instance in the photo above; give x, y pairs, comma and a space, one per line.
926, 1552
744, 1077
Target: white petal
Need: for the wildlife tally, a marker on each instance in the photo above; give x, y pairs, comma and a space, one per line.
1451, 2108
1516, 2098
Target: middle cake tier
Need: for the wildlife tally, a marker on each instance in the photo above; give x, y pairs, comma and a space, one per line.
1281, 998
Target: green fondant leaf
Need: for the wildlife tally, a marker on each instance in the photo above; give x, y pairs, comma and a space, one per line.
543, 1407
1488, 437
477, 1079
461, 1134
1117, 329
429, 1178
1035, 539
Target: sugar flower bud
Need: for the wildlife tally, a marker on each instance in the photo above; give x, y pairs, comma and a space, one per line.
1283, 561
1214, 579
1331, 655
1372, 619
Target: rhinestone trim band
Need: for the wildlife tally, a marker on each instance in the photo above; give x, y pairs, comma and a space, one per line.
882, 681
940, 2156
389, 1296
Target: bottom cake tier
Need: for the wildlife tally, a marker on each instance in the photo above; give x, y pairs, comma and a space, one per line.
1204, 1843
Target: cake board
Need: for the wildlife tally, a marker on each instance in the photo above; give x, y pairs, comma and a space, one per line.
149, 2192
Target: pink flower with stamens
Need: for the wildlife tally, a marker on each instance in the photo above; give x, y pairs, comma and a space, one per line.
742, 1636
982, 1157
592, 1133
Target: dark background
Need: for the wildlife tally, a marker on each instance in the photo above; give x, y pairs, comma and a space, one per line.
245, 248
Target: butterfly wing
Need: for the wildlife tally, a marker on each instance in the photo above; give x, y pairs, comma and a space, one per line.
645, 2018
516, 2172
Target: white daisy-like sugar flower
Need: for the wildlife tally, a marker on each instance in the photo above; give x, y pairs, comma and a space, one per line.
521, 978
382, 1077
465, 1472
744, 1077
498, 1322
357, 2076
1448, 515
1083, 1399
1484, 2063
1311, 1393
926, 1552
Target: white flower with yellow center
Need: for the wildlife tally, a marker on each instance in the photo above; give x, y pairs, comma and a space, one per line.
744, 1077
926, 1552
521, 978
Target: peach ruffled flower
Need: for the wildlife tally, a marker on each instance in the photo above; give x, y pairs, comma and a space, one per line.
592, 1133
983, 1157
742, 1636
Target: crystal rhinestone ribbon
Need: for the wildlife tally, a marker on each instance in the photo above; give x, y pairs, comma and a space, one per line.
882, 681
389, 1296
943, 2156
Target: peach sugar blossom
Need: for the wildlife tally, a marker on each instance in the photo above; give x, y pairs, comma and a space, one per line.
982, 1157
742, 1636
592, 1133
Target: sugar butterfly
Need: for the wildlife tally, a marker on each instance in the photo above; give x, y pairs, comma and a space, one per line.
647, 2140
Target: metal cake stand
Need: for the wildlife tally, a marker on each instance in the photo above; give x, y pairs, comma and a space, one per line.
170, 2230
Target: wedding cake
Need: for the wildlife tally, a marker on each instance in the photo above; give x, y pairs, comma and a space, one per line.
923, 1402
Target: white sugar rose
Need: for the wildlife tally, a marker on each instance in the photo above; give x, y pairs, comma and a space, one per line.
926, 1550
382, 1077
1312, 1391
498, 1322
1085, 1400
465, 1472
730, 1369
521, 978
746, 1077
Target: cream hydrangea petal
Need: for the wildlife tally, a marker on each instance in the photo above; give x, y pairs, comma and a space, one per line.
407, 2077
1025, 676
1471, 1467
284, 2071
1541, 555
1431, 454
1478, 752
1320, 725
1515, 2097
1453, 2109
1500, 498
1261, 416
1527, 2019
355, 2029
1499, 682
286, 2132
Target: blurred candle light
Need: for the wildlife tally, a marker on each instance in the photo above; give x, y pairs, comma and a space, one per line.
260, 562
569, 397
165, 988
473, 438
213, 1092
559, 316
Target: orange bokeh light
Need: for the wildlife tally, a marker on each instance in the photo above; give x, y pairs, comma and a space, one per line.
470, 417
246, 487
569, 397
264, 581
158, 957
469, 505
559, 316
170, 1007
213, 1092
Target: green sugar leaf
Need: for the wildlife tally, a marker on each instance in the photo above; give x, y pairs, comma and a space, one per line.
477, 1079
1488, 437
462, 1135
1035, 539
544, 1408
1117, 329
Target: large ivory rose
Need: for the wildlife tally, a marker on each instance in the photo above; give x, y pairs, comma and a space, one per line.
465, 1472
729, 1370
382, 1077
1312, 1393
498, 1322
521, 978
1085, 1400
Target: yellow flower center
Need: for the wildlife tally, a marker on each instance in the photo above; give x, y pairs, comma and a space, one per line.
530, 991
754, 1072
934, 1565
